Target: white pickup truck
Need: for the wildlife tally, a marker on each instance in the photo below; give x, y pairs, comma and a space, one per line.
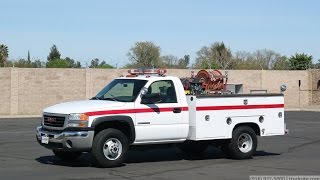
144, 110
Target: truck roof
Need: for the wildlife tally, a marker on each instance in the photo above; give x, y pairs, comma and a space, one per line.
146, 77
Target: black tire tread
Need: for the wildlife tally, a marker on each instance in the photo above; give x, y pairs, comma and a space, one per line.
98, 142
232, 149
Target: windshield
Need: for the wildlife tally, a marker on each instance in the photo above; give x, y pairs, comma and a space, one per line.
123, 90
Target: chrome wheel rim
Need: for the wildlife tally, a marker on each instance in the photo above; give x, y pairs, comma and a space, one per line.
245, 142
112, 149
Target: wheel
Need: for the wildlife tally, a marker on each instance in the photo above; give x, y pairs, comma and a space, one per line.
66, 155
243, 144
109, 147
193, 147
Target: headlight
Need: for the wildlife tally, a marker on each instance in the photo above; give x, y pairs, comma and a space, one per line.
78, 120
77, 116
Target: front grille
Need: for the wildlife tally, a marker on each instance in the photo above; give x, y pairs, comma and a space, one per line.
53, 121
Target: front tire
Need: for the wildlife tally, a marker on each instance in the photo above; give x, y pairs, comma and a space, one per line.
66, 155
243, 144
109, 147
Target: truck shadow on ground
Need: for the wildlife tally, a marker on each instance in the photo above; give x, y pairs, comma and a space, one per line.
135, 156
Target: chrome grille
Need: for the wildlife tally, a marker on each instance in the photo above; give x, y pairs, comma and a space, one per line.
53, 121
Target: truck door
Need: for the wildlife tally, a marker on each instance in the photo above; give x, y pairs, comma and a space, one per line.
158, 114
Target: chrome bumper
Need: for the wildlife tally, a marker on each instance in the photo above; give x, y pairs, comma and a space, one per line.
66, 140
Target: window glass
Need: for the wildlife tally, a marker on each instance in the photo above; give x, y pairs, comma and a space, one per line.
165, 89
124, 90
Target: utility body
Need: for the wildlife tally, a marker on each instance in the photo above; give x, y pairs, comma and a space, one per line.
145, 110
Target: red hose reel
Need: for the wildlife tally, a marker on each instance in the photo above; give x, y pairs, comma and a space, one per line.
212, 80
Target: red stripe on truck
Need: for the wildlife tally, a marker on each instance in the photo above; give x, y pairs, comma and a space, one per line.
128, 111
259, 106
201, 108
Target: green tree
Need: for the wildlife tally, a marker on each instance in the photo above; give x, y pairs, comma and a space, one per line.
183, 62
240, 60
265, 58
38, 64
104, 65
317, 66
23, 63
300, 61
58, 63
169, 61
55, 60
281, 63
4, 54
9, 63
53, 54
205, 59
260, 59
145, 54
95, 63
216, 56
133, 66
72, 63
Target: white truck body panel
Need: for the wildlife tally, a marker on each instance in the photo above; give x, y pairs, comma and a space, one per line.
241, 109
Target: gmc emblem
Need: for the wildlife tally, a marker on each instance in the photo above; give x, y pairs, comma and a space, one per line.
51, 120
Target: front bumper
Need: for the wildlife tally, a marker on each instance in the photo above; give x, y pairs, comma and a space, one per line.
66, 140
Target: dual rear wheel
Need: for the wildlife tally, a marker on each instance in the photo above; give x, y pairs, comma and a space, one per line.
242, 145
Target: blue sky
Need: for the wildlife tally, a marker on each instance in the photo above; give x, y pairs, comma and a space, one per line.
84, 30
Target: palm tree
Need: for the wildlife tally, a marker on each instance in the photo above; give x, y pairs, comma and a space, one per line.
4, 53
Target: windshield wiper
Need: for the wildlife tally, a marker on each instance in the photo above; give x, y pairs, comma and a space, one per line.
112, 98
95, 98
109, 99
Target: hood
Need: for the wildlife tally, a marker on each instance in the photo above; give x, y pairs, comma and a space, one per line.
82, 106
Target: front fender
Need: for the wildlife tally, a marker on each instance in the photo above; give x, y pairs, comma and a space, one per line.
117, 118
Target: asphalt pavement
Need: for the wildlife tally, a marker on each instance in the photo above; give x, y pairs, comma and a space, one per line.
295, 154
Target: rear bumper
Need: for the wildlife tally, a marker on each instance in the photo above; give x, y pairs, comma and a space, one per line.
66, 140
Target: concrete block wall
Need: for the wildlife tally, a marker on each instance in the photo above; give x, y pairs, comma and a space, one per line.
27, 91
5, 91
315, 86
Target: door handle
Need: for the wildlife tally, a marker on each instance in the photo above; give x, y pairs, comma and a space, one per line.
176, 110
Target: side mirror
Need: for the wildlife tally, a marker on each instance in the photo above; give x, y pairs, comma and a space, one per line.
143, 92
283, 88
148, 98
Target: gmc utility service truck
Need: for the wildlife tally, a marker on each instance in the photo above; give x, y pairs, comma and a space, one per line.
144, 109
